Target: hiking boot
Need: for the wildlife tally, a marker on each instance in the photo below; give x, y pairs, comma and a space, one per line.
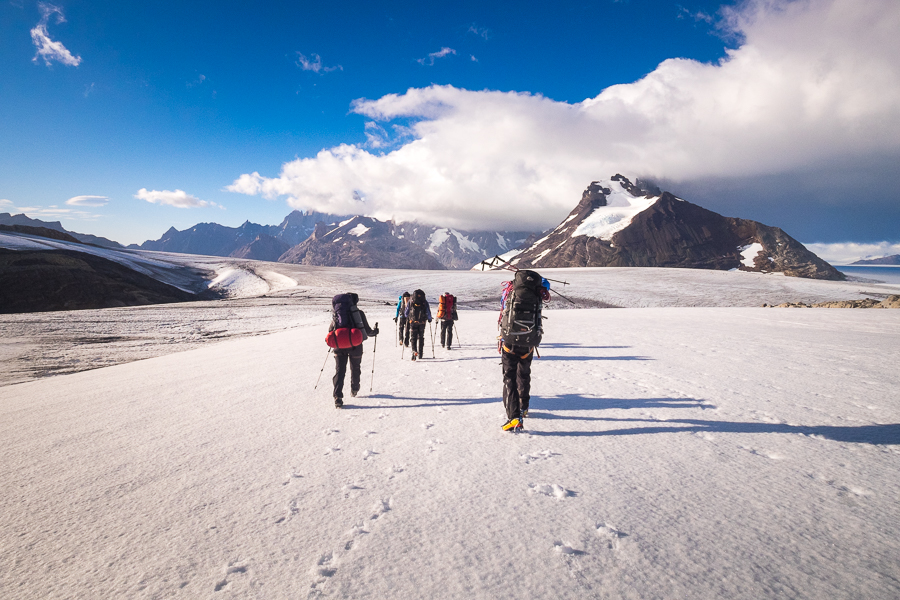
512, 425
415, 354
338, 402
524, 413
354, 393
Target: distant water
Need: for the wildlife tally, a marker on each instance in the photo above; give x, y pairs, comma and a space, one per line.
887, 273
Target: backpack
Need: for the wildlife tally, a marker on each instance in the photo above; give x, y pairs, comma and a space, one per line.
418, 312
520, 321
445, 306
348, 324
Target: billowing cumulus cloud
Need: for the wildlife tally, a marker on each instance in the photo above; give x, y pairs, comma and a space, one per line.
88, 201
812, 82
49, 49
178, 198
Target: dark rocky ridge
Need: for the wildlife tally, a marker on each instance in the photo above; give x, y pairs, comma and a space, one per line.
52, 234
264, 247
672, 233
376, 247
45, 280
84, 238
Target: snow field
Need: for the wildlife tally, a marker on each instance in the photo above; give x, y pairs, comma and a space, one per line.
700, 453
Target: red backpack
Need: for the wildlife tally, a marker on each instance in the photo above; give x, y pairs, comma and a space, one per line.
344, 338
445, 306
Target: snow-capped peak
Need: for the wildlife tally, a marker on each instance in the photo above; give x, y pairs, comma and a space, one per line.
621, 208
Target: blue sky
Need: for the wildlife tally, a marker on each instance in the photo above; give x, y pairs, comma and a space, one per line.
117, 103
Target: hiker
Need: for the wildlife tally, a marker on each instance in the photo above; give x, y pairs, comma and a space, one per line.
521, 329
402, 302
447, 315
346, 334
417, 312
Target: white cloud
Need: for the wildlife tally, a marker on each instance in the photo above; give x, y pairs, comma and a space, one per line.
482, 32
88, 201
813, 82
846, 253
48, 49
44, 213
314, 64
429, 60
178, 198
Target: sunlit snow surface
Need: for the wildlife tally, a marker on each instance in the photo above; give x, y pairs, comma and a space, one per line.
621, 207
672, 452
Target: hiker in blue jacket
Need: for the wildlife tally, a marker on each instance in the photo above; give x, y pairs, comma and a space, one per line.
402, 303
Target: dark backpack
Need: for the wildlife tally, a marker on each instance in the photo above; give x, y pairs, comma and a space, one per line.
346, 314
520, 324
418, 311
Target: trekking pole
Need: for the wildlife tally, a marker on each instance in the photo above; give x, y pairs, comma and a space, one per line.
374, 348
322, 369
396, 331
432, 339
458, 343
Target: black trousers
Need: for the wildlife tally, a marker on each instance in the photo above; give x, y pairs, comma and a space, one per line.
447, 332
404, 331
516, 380
354, 355
417, 336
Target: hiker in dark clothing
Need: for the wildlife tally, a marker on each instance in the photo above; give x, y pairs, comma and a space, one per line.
520, 332
447, 315
418, 312
349, 328
402, 302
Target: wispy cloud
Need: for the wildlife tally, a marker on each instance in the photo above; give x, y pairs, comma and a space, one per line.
684, 13
482, 32
178, 198
88, 201
48, 49
314, 63
429, 60
199, 81
47, 212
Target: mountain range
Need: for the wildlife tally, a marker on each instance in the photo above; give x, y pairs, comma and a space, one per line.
85, 238
893, 259
618, 223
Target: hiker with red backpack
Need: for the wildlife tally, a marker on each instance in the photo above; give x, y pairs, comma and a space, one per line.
447, 315
346, 334
521, 329
417, 313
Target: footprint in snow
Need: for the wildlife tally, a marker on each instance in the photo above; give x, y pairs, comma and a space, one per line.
331, 431
332, 450
235, 568
542, 455
350, 488
428, 425
563, 548
611, 535
394, 471
367, 454
550, 490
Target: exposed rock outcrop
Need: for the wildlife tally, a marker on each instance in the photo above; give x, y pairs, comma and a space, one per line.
620, 224
264, 247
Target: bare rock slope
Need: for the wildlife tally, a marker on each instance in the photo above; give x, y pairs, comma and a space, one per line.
622, 224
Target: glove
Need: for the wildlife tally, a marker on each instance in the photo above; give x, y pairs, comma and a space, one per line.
429, 320
375, 331
395, 319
